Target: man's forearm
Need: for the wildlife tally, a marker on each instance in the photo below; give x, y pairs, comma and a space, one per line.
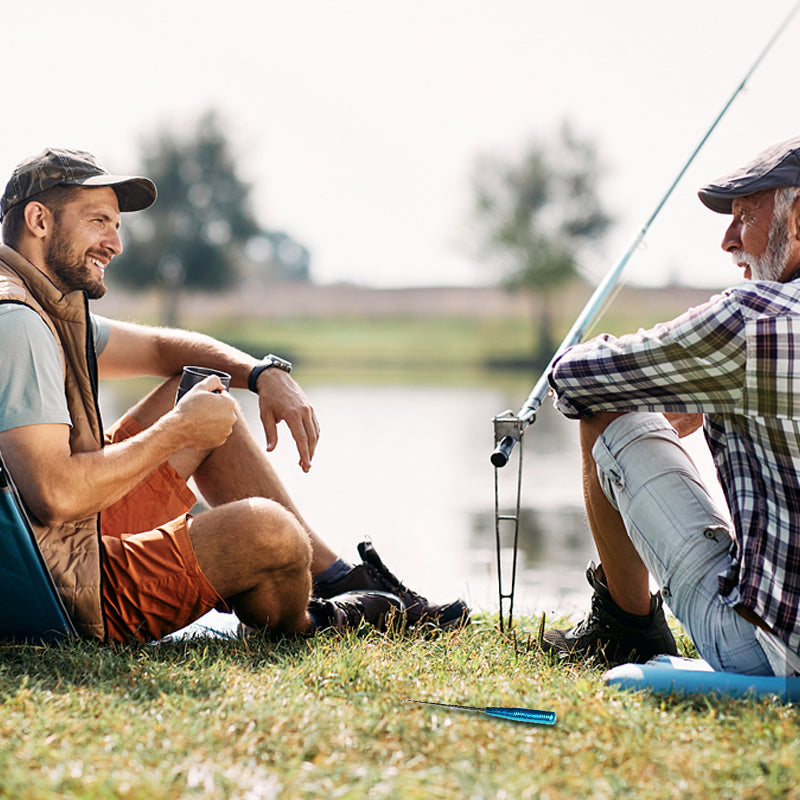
139, 350
104, 476
62, 487
136, 350
178, 348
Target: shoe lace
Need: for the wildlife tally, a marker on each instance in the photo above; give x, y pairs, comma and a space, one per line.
393, 584
590, 622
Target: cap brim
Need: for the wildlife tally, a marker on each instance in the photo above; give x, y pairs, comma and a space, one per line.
133, 192
721, 203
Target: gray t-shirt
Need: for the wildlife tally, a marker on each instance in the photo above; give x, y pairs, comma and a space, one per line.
31, 373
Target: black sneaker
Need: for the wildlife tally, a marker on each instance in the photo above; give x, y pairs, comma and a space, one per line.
349, 610
601, 635
373, 574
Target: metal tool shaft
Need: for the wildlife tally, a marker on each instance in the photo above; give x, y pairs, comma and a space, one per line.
534, 715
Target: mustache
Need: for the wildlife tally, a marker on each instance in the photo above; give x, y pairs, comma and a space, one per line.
102, 253
741, 257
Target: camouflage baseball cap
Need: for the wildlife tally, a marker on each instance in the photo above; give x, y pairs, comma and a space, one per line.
774, 168
60, 167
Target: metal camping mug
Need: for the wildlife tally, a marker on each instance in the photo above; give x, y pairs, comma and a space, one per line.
193, 375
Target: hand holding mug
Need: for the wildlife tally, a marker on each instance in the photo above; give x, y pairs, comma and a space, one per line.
193, 375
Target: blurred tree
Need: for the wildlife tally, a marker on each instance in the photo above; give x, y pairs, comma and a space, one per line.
201, 232
534, 217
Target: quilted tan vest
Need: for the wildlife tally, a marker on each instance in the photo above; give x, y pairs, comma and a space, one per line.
71, 550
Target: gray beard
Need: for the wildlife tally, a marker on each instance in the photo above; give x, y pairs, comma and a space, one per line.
770, 265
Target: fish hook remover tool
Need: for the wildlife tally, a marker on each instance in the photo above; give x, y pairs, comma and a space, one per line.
502, 712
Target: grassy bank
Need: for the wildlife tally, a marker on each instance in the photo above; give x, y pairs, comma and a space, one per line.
325, 718
446, 348
356, 335
355, 348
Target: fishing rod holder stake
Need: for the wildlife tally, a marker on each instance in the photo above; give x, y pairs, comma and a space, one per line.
507, 423
509, 429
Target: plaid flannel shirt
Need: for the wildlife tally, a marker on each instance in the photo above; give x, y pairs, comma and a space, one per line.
737, 360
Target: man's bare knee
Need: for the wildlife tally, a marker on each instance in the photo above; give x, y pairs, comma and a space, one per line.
257, 556
239, 544
279, 536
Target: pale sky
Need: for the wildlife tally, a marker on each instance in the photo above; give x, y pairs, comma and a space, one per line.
358, 121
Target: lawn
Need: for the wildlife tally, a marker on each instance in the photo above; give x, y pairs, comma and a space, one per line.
325, 718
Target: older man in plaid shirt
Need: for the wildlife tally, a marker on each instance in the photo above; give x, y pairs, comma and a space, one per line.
731, 576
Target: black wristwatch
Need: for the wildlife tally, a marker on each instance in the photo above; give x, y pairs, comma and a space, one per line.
266, 362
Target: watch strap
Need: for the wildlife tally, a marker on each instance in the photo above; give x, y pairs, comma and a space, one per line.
269, 361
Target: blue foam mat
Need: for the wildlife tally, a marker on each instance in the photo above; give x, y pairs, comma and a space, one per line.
671, 674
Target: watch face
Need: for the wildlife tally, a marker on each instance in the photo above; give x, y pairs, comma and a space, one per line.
280, 363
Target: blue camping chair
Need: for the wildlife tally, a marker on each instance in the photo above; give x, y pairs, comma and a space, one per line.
31, 608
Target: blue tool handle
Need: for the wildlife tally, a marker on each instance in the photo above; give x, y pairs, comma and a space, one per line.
523, 715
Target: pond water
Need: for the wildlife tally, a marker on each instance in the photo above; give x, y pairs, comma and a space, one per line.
409, 467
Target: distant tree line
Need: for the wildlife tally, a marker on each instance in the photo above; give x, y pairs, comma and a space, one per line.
201, 233
535, 214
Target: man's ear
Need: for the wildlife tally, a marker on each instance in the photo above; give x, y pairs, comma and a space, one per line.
38, 219
794, 217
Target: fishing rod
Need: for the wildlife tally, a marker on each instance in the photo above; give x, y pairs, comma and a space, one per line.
598, 302
509, 428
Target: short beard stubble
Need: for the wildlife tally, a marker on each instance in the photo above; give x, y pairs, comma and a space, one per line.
69, 269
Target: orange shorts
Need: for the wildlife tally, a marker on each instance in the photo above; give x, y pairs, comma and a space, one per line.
152, 583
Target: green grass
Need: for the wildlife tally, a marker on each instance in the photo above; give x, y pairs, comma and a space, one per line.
382, 347
423, 349
325, 718
447, 348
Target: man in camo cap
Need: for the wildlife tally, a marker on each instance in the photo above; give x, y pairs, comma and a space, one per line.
111, 509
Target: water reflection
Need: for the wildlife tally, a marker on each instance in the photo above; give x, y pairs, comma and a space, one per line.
553, 546
546, 537
409, 466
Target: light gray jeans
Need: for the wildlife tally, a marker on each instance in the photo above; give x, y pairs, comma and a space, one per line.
680, 534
